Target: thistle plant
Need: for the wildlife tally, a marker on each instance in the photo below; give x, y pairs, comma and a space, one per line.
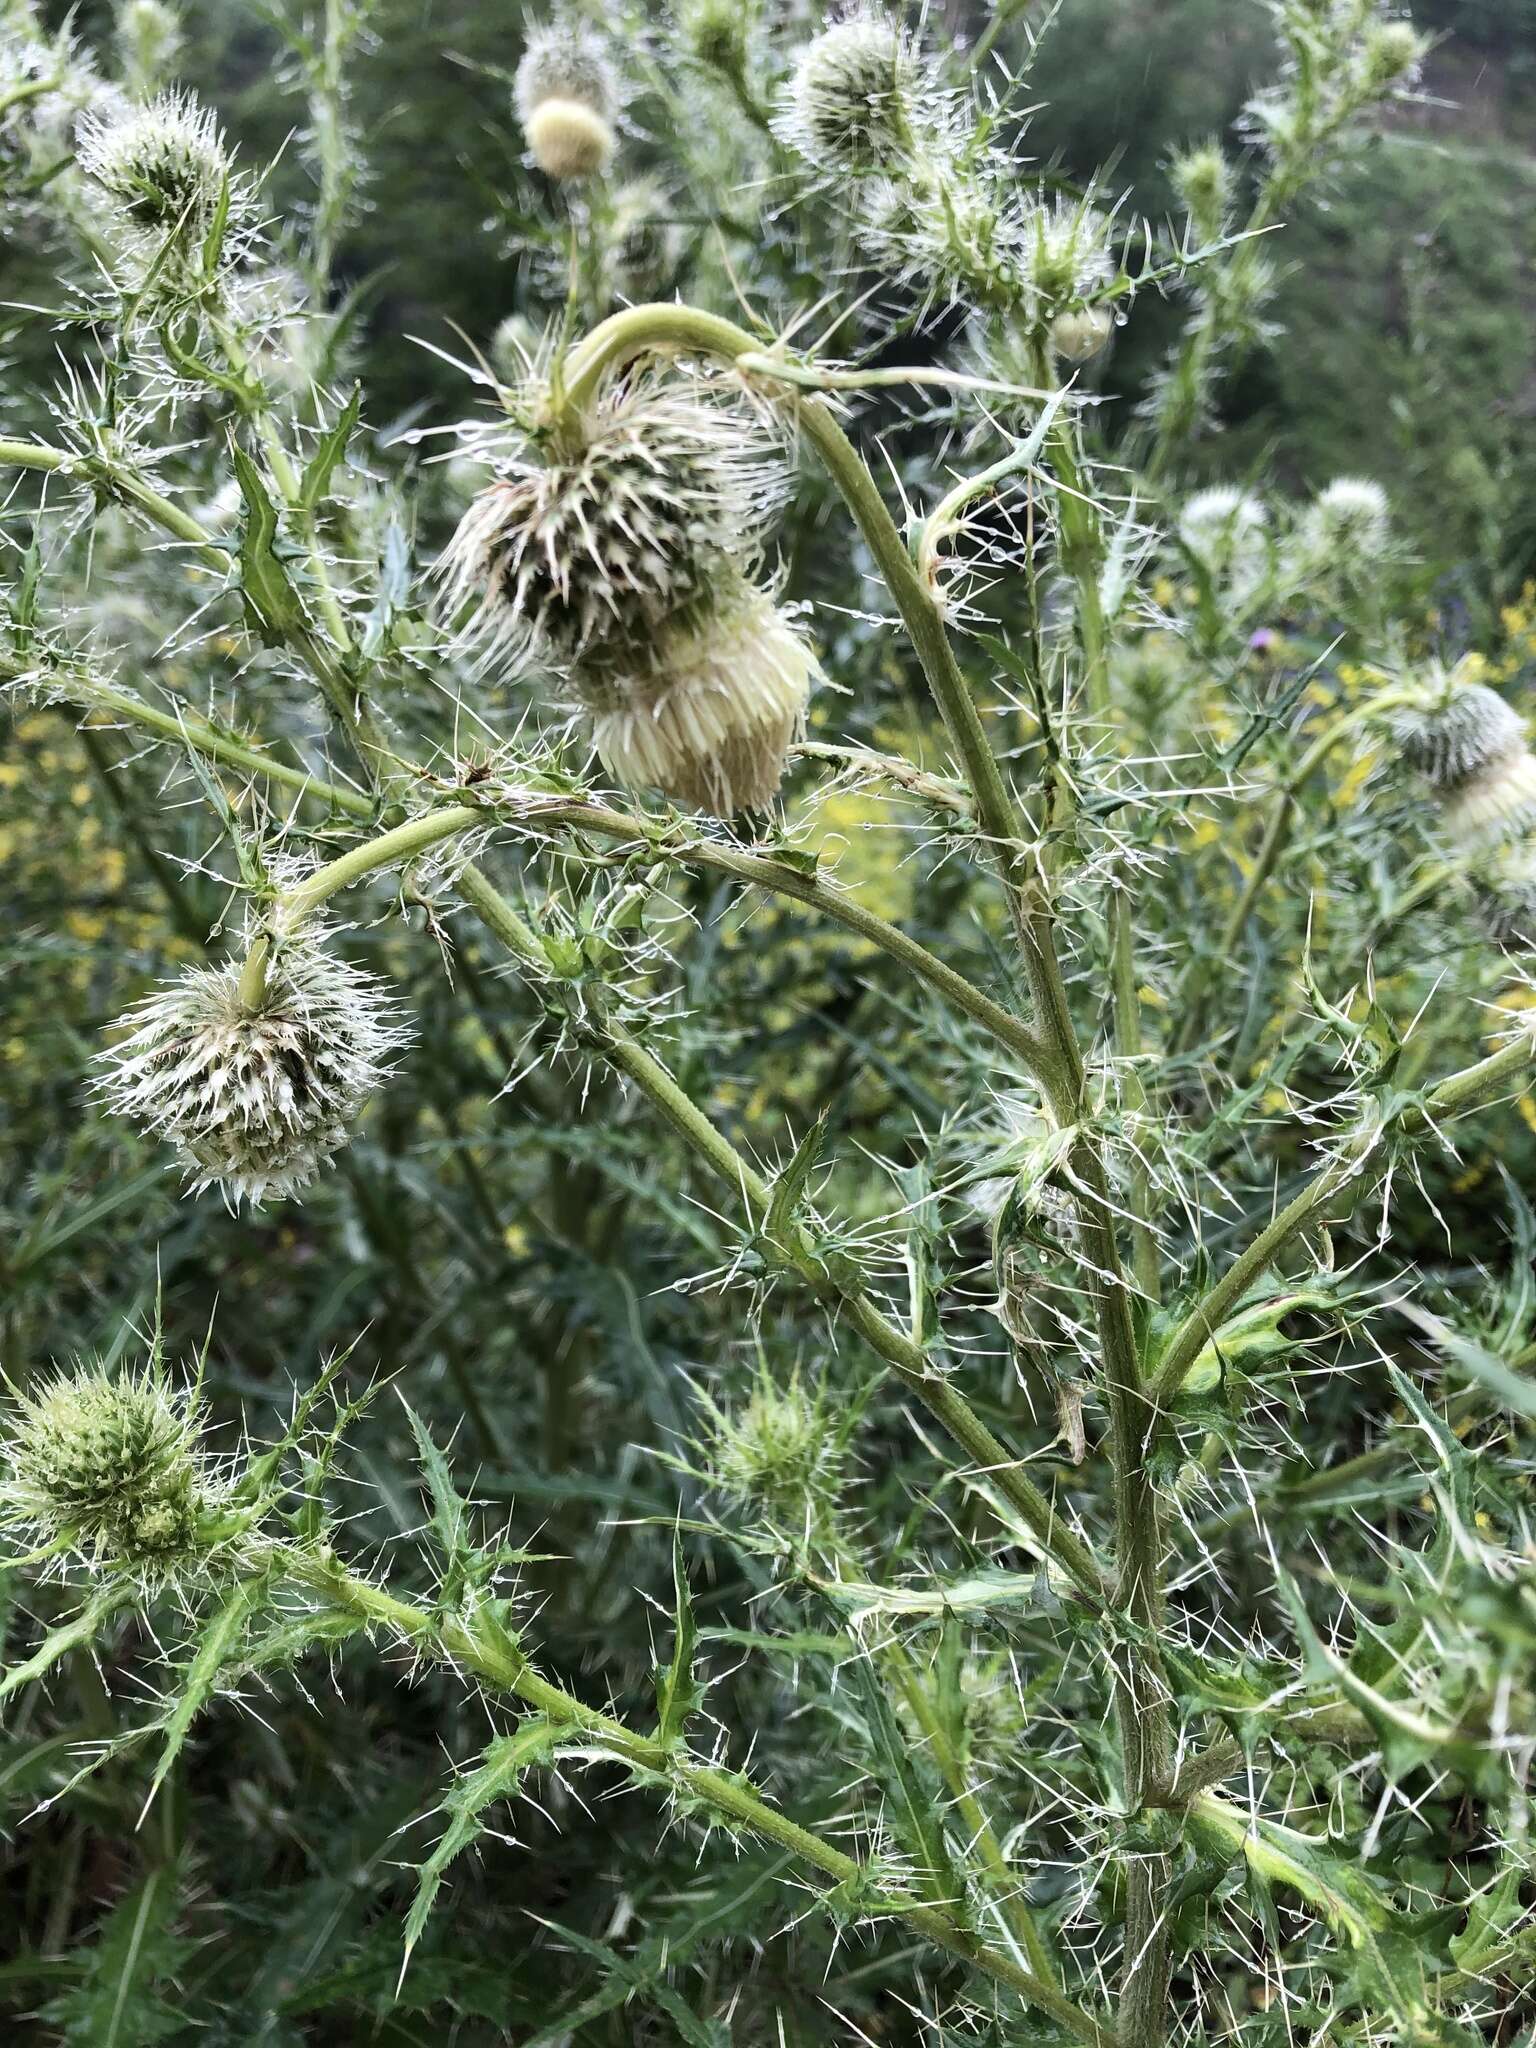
892, 1303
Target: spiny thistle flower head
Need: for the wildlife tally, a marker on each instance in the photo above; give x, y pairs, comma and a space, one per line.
1348, 525
716, 33
109, 1466
1227, 532
567, 98
710, 715
258, 1096
857, 102
1391, 54
777, 1454
1065, 253
1202, 179
166, 170
1461, 729
623, 528
45, 82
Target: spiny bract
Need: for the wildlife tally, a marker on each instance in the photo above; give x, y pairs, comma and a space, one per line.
109, 1466
256, 1100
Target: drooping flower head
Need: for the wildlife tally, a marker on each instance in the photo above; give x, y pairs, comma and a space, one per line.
623, 561
256, 1097
1462, 729
567, 98
109, 1466
625, 527
710, 714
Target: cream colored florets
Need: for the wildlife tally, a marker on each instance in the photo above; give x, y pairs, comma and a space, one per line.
1227, 532
1348, 525
710, 718
1462, 730
257, 1099
567, 98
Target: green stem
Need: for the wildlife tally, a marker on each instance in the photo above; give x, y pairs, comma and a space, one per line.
495, 1659
790, 1249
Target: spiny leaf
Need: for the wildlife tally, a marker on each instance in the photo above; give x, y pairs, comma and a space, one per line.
272, 607
218, 1649
319, 468
72, 1635
497, 1776
678, 1692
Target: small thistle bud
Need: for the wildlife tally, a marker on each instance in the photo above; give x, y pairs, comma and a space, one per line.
164, 166
710, 718
778, 1454
257, 1097
1202, 179
567, 99
1348, 525
149, 38
109, 1467
855, 104
1391, 55
716, 33
1463, 730
1065, 253
1077, 336
656, 487
1226, 530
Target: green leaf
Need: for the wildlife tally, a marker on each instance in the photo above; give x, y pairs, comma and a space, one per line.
1509, 1388
914, 1799
678, 1692
977, 1592
218, 1651
273, 611
121, 2000
789, 1188
1492, 1917
629, 1978
321, 465
497, 1776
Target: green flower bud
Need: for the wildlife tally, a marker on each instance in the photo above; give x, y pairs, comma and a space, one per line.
110, 1467
1202, 178
777, 1455
1391, 55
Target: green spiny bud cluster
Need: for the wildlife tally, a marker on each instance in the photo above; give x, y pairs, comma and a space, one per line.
110, 1467
149, 38
931, 198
